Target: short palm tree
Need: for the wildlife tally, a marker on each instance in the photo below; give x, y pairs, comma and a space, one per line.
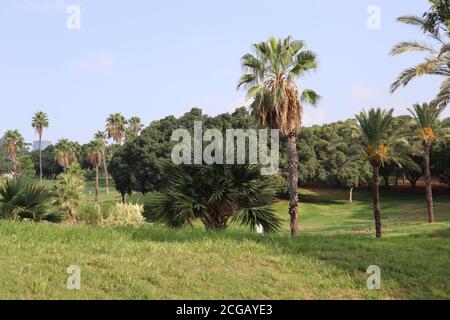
426, 128
13, 143
216, 195
436, 25
101, 137
94, 154
269, 77
373, 128
39, 123
116, 127
135, 126
69, 191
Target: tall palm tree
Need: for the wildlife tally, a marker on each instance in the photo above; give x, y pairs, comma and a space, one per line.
434, 24
39, 123
426, 127
135, 126
269, 77
94, 154
373, 128
101, 137
13, 143
66, 152
116, 127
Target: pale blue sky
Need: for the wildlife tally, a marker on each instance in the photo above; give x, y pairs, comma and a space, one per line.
156, 58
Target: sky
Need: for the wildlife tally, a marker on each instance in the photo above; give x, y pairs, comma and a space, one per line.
163, 57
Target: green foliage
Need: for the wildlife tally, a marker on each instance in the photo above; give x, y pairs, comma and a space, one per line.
69, 189
124, 215
21, 199
50, 167
216, 195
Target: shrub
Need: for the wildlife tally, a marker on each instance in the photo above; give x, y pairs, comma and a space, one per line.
121, 215
280, 184
21, 199
69, 193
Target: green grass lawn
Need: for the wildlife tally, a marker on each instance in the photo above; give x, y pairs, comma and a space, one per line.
327, 261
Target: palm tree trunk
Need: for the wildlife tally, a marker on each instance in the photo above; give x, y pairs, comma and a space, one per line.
40, 157
350, 197
96, 184
14, 163
293, 183
106, 171
376, 200
428, 187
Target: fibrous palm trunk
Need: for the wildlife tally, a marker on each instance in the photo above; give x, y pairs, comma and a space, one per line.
40, 157
106, 171
14, 163
293, 183
428, 187
376, 200
96, 184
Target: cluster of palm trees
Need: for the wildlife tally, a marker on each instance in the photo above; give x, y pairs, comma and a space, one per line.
118, 128
270, 76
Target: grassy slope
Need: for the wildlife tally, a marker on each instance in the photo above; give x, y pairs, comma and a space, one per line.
327, 261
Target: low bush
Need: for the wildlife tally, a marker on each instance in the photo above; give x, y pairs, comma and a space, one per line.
107, 215
122, 215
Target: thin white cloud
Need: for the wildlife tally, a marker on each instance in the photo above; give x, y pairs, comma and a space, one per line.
98, 62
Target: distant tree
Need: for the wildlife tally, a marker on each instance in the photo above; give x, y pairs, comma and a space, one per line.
135, 126
50, 166
95, 158
116, 127
39, 123
101, 137
66, 152
373, 127
121, 174
269, 78
25, 166
13, 143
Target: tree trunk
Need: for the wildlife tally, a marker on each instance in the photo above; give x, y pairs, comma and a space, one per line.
14, 163
96, 184
106, 171
293, 183
428, 187
40, 157
350, 198
376, 200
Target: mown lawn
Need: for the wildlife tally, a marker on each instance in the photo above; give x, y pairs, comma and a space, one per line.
327, 261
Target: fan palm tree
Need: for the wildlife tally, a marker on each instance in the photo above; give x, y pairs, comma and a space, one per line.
116, 127
426, 128
373, 128
438, 60
13, 143
39, 123
135, 126
216, 195
269, 77
94, 154
101, 137
66, 152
